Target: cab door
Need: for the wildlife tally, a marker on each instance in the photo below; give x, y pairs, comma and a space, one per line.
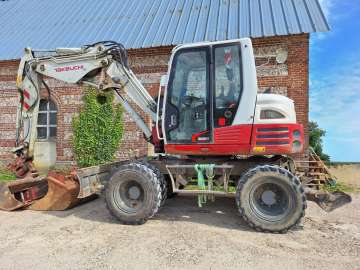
187, 109
230, 134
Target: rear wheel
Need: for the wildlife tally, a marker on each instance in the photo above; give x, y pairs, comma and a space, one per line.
270, 199
133, 194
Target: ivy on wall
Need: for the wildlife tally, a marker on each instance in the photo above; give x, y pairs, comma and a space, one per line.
97, 130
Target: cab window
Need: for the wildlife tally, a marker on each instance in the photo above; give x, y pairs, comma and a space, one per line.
187, 109
227, 83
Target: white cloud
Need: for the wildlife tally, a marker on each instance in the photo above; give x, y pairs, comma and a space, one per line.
335, 105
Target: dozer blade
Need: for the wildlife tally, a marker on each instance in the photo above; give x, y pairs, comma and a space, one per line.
62, 194
328, 201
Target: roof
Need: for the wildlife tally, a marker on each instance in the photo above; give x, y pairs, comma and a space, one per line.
149, 23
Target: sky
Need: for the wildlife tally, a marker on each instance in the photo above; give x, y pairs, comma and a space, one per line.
335, 79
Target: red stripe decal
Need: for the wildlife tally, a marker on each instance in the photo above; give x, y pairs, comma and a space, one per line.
26, 94
26, 106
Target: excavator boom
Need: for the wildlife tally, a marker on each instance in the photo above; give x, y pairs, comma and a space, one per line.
102, 65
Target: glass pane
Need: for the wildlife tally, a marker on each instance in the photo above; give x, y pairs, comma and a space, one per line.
271, 114
42, 119
52, 132
227, 84
52, 118
52, 106
188, 96
43, 105
41, 132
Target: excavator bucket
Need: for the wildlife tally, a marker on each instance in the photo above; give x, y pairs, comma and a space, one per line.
328, 201
62, 194
7, 199
54, 192
21, 193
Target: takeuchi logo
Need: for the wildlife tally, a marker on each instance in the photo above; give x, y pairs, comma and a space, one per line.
69, 68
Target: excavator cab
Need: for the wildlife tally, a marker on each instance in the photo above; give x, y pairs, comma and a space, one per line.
212, 106
204, 91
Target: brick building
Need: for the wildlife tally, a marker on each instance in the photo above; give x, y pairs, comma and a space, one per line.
150, 29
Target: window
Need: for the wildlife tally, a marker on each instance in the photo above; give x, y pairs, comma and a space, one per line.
227, 83
188, 96
271, 114
46, 125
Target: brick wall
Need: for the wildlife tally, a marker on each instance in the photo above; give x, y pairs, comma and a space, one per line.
290, 78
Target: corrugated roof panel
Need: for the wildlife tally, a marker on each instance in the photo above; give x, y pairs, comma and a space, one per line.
222, 24
139, 34
116, 18
137, 20
149, 23
291, 17
123, 29
192, 22
159, 25
316, 15
6, 7
212, 20
233, 31
244, 18
92, 22
267, 19
255, 19
278, 17
173, 25
202, 21
183, 22
305, 22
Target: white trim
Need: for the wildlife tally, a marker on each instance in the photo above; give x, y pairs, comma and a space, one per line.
48, 112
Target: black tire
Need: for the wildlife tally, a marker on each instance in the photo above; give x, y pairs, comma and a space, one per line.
270, 199
163, 184
133, 194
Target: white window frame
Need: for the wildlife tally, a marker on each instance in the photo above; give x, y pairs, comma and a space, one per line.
48, 125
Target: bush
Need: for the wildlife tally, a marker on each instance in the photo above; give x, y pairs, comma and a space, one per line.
315, 140
97, 130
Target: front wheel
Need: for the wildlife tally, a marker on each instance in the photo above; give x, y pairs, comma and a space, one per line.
133, 194
270, 199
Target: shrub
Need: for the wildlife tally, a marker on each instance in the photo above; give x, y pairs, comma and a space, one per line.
97, 130
315, 140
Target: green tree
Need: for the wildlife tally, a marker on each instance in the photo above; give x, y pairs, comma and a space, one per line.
97, 130
315, 140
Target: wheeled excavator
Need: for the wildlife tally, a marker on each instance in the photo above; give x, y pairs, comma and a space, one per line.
213, 135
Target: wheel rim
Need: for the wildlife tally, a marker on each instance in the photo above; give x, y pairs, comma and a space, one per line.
129, 196
270, 200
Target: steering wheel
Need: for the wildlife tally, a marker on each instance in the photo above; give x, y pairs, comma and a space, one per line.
188, 100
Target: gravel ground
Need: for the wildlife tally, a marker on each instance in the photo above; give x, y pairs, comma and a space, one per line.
181, 236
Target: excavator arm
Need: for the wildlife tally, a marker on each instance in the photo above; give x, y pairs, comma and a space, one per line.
102, 65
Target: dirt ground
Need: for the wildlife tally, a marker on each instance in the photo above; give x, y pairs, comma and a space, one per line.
181, 236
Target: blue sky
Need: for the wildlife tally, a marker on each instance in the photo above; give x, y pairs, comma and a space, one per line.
335, 79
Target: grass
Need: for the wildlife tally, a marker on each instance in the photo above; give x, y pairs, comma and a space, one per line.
6, 176
341, 187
